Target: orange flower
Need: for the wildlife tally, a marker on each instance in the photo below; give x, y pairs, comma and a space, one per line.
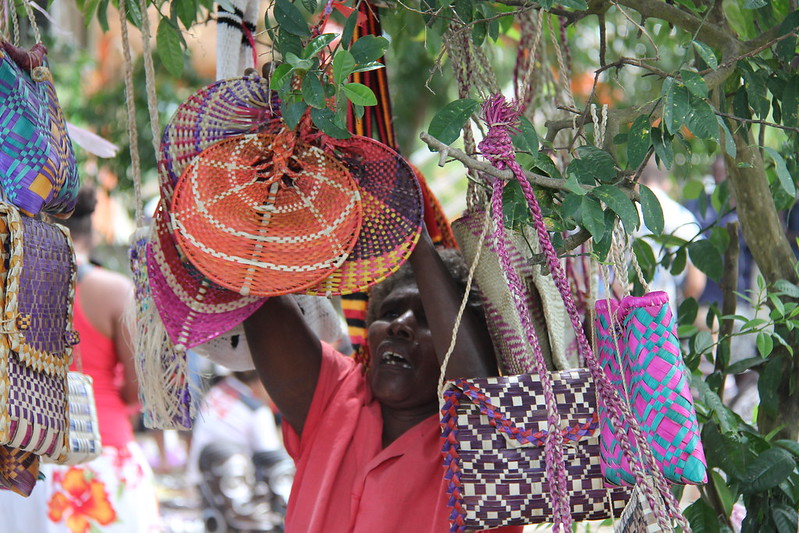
83, 501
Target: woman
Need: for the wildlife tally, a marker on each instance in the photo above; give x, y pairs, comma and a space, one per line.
367, 445
114, 492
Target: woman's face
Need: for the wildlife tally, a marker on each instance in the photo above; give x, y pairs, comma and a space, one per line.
404, 369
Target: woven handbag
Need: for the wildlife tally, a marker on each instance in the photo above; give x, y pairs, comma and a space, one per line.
557, 480
19, 470
83, 441
640, 353
37, 162
36, 340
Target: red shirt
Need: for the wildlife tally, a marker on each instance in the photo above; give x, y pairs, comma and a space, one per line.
345, 480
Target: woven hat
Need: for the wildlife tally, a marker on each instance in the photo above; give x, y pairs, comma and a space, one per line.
265, 214
392, 215
192, 307
223, 109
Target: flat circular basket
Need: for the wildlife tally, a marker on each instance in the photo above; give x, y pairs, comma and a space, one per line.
265, 215
222, 109
392, 215
193, 309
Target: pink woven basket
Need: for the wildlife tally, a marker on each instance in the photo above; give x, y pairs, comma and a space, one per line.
193, 308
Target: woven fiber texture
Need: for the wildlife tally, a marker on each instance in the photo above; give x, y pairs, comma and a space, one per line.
162, 371
493, 434
392, 215
83, 437
37, 161
265, 215
656, 383
19, 470
39, 279
638, 516
193, 309
220, 110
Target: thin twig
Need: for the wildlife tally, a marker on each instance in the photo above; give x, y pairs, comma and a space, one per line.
755, 121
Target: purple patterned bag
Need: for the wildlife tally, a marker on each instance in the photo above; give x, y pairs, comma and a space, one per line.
38, 277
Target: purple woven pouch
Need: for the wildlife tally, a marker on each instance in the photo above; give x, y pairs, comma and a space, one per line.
39, 280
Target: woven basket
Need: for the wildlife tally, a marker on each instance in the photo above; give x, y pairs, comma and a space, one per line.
222, 109
19, 470
193, 309
83, 436
392, 215
37, 161
36, 344
265, 215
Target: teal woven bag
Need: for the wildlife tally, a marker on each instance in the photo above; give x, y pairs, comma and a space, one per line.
37, 162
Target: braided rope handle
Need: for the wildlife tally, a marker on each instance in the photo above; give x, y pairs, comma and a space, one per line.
501, 116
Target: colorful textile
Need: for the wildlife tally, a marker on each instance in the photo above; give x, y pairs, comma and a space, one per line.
358, 486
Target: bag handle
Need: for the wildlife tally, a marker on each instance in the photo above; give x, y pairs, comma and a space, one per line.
501, 117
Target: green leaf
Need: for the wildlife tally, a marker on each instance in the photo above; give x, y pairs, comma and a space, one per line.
765, 344
744, 364
313, 92
663, 147
785, 517
638, 142
695, 83
369, 48
302, 65
651, 209
343, 65
593, 217
170, 51
729, 142
597, 163
290, 19
687, 311
515, 211
707, 54
756, 90
676, 104
768, 385
281, 76
318, 44
783, 176
292, 112
574, 186
786, 288
786, 48
310, 5
288, 43
359, 94
706, 258
526, 139
755, 4
728, 423
186, 12
702, 120
618, 202
768, 470
464, 9
447, 124
580, 5
372, 65
790, 445
702, 517
725, 494
329, 123
349, 29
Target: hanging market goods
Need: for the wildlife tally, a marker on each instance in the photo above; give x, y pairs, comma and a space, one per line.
37, 161
467, 511
235, 37
83, 436
19, 470
162, 370
222, 109
494, 430
265, 215
638, 516
193, 309
37, 339
656, 383
391, 200
542, 299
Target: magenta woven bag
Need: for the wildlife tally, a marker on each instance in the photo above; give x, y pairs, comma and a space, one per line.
642, 331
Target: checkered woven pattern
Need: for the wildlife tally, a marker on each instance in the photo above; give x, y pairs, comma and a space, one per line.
220, 110
493, 431
83, 437
39, 277
37, 162
658, 387
19, 470
193, 308
392, 215
265, 215
638, 516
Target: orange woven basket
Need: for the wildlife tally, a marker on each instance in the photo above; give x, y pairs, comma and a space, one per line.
266, 214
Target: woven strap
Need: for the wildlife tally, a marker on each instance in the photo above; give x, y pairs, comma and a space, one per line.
501, 117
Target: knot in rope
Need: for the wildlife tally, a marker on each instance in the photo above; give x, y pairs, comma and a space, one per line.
502, 118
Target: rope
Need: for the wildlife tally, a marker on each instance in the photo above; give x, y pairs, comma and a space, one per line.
530, 29
600, 126
564, 71
15, 24
37, 36
149, 75
131, 105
